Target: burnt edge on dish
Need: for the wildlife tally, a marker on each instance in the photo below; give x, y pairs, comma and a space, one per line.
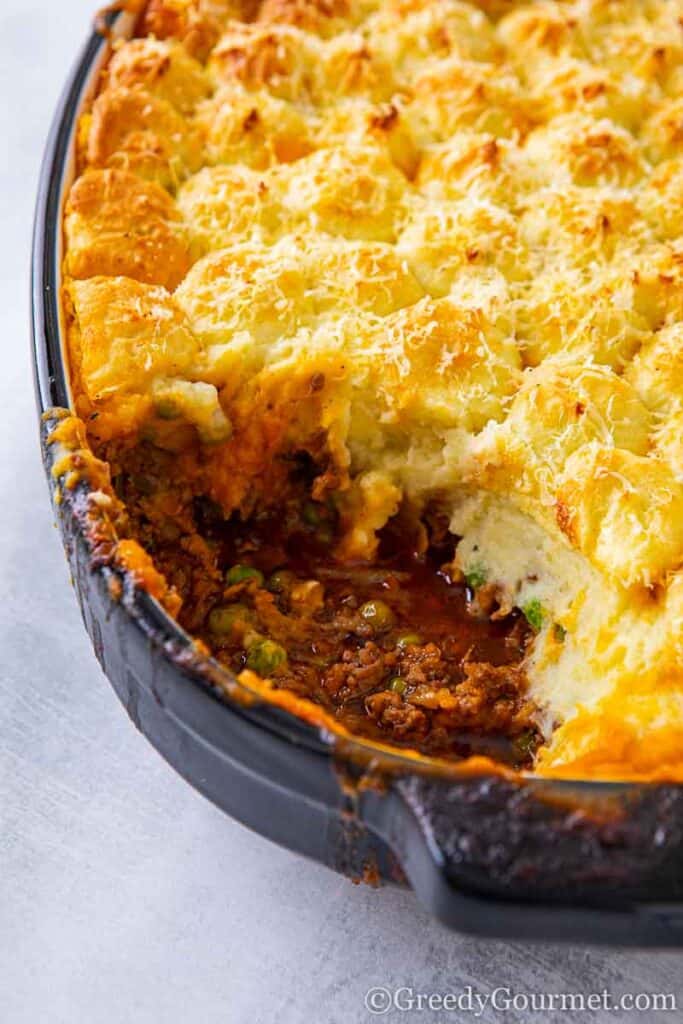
553, 840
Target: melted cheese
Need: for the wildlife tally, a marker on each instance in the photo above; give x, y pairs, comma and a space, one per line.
461, 220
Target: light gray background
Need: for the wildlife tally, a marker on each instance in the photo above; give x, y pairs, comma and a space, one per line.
124, 896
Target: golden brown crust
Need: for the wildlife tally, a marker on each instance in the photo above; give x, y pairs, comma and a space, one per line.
132, 130
118, 225
161, 68
197, 24
322, 17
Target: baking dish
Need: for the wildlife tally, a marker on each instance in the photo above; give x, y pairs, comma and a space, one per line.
492, 854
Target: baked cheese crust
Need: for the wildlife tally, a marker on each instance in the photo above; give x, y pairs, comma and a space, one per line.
439, 245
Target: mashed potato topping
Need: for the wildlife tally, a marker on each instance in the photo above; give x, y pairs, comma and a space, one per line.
437, 245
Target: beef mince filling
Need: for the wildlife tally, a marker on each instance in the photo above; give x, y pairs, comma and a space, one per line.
398, 650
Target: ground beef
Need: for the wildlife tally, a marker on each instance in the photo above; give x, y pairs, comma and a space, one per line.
490, 698
424, 664
398, 718
358, 672
441, 670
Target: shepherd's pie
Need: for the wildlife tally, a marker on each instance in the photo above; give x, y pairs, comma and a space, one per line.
375, 311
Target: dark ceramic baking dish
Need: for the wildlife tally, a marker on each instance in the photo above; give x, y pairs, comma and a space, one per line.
488, 854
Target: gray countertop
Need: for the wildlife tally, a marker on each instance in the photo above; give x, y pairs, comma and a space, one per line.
124, 896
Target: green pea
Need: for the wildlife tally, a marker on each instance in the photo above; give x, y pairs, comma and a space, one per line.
266, 657
397, 685
310, 514
243, 574
325, 534
525, 744
377, 614
223, 620
534, 613
280, 581
408, 640
559, 632
166, 409
475, 576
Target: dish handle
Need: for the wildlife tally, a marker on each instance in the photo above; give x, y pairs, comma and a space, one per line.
539, 859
